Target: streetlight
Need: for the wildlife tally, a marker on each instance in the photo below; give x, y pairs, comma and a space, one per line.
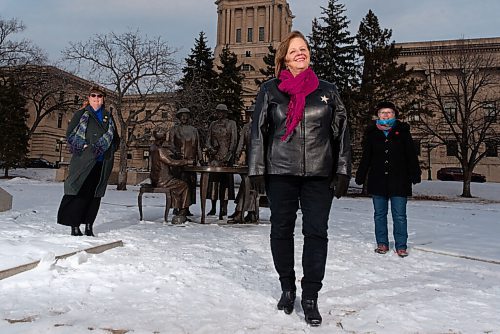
429, 149
60, 143
145, 156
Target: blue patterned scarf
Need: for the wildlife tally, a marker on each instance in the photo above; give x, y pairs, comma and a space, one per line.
76, 139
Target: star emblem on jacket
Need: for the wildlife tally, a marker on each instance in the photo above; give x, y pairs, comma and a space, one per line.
324, 99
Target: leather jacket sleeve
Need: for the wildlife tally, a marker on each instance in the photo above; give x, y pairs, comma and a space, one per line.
341, 137
258, 133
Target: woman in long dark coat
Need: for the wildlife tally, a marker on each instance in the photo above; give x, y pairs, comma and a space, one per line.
390, 161
93, 140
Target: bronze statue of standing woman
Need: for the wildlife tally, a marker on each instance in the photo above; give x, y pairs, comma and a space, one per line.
221, 146
185, 140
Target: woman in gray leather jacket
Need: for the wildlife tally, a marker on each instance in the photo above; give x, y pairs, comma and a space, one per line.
300, 151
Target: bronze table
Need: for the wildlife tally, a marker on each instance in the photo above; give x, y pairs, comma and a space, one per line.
205, 171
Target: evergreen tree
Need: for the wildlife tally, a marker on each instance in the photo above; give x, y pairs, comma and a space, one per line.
382, 77
229, 84
198, 85
268, 72
14, 135
333, 51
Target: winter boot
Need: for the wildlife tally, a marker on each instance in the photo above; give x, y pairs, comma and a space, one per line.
311, 312
179, 219
88, 230
286, 301
75, 230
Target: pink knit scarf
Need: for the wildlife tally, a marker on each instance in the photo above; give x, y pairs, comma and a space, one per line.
298, 88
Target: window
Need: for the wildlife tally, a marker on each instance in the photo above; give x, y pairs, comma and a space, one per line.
164, 114
148, 114
261, 34
490, 112
76, 100
414, 114
491, 149
250, 35
59, 120
450, 111
451, 148
238, 35
61, 96
248, 53
129, 155
247, 67
129, 133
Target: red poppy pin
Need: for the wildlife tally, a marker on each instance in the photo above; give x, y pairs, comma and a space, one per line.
396, 133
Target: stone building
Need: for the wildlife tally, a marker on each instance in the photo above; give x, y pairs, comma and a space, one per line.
248, 28
433, 153
65, 96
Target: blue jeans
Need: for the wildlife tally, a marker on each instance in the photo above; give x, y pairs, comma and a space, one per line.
400, 226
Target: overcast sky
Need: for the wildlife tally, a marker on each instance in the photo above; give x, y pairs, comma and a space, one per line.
52, 24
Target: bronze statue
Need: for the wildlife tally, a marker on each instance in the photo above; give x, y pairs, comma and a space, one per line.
247, 198
221, 146
161, 176
185, 140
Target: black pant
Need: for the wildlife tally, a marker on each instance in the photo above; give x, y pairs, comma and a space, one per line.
315, 198
81, 208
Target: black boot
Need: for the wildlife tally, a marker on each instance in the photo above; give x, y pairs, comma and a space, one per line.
88, 230
251, 217
75, 230
234, 214
311, 312
286, 301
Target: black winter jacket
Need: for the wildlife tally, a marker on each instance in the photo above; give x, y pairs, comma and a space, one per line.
320, 144
391, 162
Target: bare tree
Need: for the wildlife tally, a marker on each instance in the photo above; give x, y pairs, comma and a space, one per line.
462, 93
17, 51
130, 65
48, 90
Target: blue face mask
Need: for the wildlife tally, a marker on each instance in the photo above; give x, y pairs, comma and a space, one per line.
386, 122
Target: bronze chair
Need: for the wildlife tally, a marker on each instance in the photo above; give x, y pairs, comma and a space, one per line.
147, 188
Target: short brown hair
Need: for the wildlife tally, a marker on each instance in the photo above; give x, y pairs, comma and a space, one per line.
279, 59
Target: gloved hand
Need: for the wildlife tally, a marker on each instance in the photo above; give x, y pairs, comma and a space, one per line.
359, 180
416, 179
258, 183
340, 184
98, 148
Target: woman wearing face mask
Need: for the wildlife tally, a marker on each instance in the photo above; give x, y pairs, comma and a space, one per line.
92, 139
390, 161
300, 152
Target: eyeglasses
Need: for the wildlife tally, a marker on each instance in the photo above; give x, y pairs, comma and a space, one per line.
96, 95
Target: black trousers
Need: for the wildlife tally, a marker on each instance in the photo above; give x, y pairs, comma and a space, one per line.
313, 194
81, 208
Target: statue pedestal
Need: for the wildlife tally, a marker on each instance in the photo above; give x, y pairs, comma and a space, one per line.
5, 200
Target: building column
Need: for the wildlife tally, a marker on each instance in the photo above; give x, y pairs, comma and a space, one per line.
232, 31
244, 25
276, 36
219, 27
267, 32
227, 26
255, 24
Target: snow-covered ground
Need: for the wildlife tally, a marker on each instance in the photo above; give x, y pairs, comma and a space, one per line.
220, 279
